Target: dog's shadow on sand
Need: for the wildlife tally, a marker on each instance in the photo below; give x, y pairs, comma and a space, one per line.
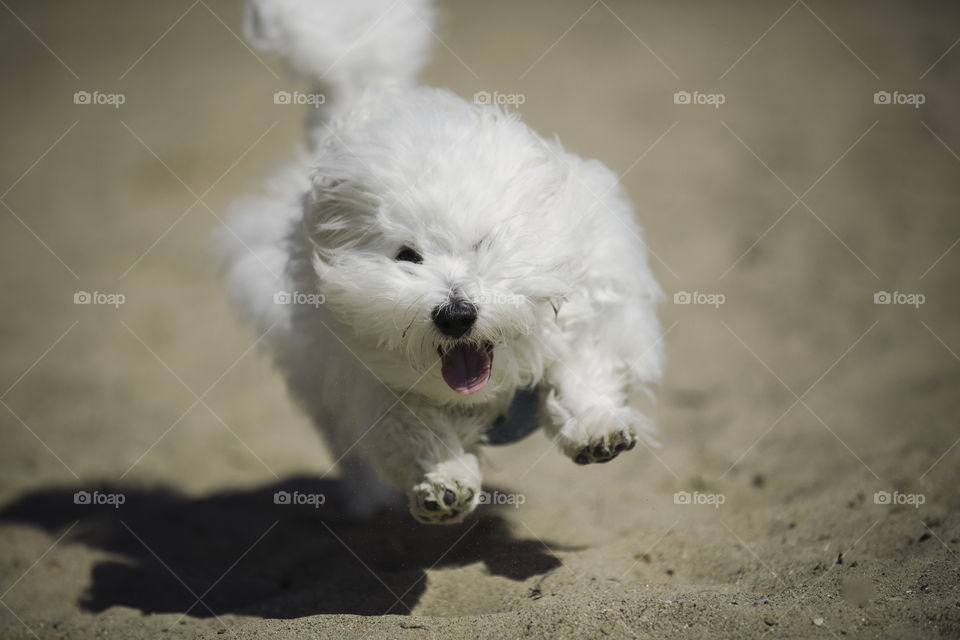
240, 552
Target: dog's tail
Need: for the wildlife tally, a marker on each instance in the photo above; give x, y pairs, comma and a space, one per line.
344, 46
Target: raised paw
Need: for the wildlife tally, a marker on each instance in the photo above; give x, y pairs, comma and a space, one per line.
600, 434
442, 500
607, 447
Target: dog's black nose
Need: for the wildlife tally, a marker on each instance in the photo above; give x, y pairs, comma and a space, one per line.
455, 317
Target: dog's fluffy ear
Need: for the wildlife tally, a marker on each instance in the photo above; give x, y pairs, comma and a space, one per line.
332, 210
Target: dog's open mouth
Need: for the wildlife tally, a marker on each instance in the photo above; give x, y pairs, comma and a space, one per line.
466, 367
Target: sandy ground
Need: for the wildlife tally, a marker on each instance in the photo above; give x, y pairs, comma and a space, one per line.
785, 410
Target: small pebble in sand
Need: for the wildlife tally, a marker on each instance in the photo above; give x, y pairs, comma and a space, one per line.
413, 625
818, 622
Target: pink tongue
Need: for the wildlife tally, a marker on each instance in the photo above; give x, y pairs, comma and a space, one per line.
466, 368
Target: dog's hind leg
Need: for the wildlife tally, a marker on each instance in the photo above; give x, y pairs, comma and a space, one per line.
363, 492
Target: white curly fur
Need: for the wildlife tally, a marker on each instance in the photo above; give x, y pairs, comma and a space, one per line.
542, 242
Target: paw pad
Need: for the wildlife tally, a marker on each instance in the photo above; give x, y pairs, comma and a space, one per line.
436, 502
592, 439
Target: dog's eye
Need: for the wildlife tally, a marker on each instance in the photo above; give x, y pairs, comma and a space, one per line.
409, 255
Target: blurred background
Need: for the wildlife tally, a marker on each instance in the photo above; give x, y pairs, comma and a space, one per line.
795, 167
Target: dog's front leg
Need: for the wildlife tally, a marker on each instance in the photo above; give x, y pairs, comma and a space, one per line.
585, 406
427, 454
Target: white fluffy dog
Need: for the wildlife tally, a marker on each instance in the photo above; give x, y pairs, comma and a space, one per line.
428, 259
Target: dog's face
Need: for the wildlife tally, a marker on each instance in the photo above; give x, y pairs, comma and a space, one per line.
441, 238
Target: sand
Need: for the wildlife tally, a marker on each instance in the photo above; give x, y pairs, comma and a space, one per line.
785, 409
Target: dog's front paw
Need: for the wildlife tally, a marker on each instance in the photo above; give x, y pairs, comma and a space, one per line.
444, 498
600, 434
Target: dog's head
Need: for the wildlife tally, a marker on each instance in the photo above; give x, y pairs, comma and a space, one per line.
444, 234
